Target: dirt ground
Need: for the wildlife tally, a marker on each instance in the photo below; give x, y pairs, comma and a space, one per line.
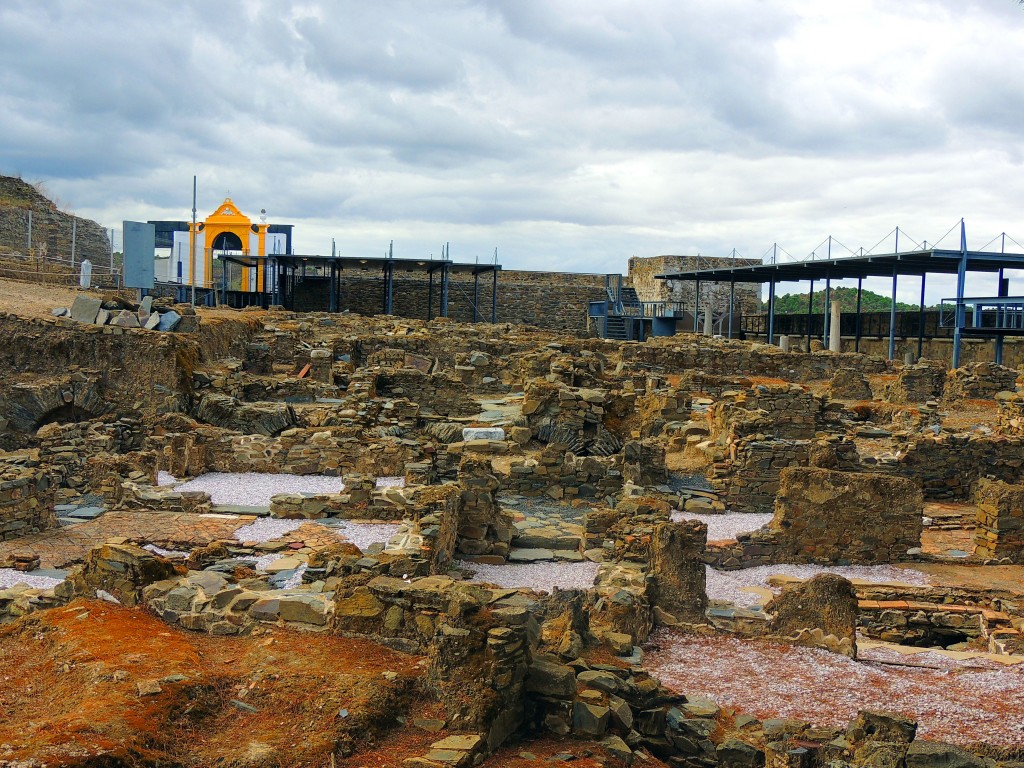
96, 684
94, 679
34, 300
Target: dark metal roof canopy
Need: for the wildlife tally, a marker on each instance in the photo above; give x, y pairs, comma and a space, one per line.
284, 269
881, 265
940, 261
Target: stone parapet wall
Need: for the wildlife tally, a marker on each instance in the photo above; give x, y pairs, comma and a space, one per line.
564, 476
779, 411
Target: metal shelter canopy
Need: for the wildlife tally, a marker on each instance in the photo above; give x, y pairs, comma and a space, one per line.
920, 262
285, 267
932, 260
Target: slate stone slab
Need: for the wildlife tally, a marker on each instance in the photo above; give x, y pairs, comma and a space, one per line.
168, 321
530, 555
125, 319
147, 304
86, 513
85, 309
102, 317
479, 433
152, 322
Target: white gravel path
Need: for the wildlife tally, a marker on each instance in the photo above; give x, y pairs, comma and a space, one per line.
365, 534
254, 489
542, 577
360, 534
266, 529
728, 526
726, 585
170, 553
391, 482
165, 478
10, 577
964, 701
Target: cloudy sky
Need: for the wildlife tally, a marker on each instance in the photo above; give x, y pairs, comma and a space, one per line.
568, 134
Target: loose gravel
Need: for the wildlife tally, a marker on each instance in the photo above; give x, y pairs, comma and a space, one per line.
365, 534
728, 526
963, 702
266, 529
169, 553
254, 489
10, 577
728, 585
541, 577
361, 534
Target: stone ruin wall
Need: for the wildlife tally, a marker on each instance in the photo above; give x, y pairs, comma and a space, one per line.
642, 271
550, 300
742, 360
948, 465
134, 372
1000, 530
26, 501
826, 516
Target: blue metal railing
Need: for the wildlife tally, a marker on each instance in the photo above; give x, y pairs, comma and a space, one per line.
986, 313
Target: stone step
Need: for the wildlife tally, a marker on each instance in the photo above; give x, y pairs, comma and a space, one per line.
543, 554
239, 509
535, 539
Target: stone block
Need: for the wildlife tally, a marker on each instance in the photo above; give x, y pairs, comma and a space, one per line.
86, 308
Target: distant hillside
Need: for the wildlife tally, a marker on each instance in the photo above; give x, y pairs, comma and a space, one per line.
51, 227
796, 303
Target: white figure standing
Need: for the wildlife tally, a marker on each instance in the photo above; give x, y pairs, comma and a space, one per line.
85, 276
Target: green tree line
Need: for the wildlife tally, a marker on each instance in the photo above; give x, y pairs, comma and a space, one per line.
796, 303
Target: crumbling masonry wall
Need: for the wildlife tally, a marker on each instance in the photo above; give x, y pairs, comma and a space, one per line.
826, 516
26, 501
1000, 530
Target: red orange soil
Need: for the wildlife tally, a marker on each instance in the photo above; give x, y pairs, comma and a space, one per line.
70, 691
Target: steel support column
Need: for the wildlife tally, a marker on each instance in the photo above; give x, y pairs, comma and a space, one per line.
827, 320
444, 290
856, 341
892, 317
810, 313
1004, 290
430, 292
920, 320
771, 310
333, 303
476, 296
696, 304
494, 295
732, 303
961, 310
